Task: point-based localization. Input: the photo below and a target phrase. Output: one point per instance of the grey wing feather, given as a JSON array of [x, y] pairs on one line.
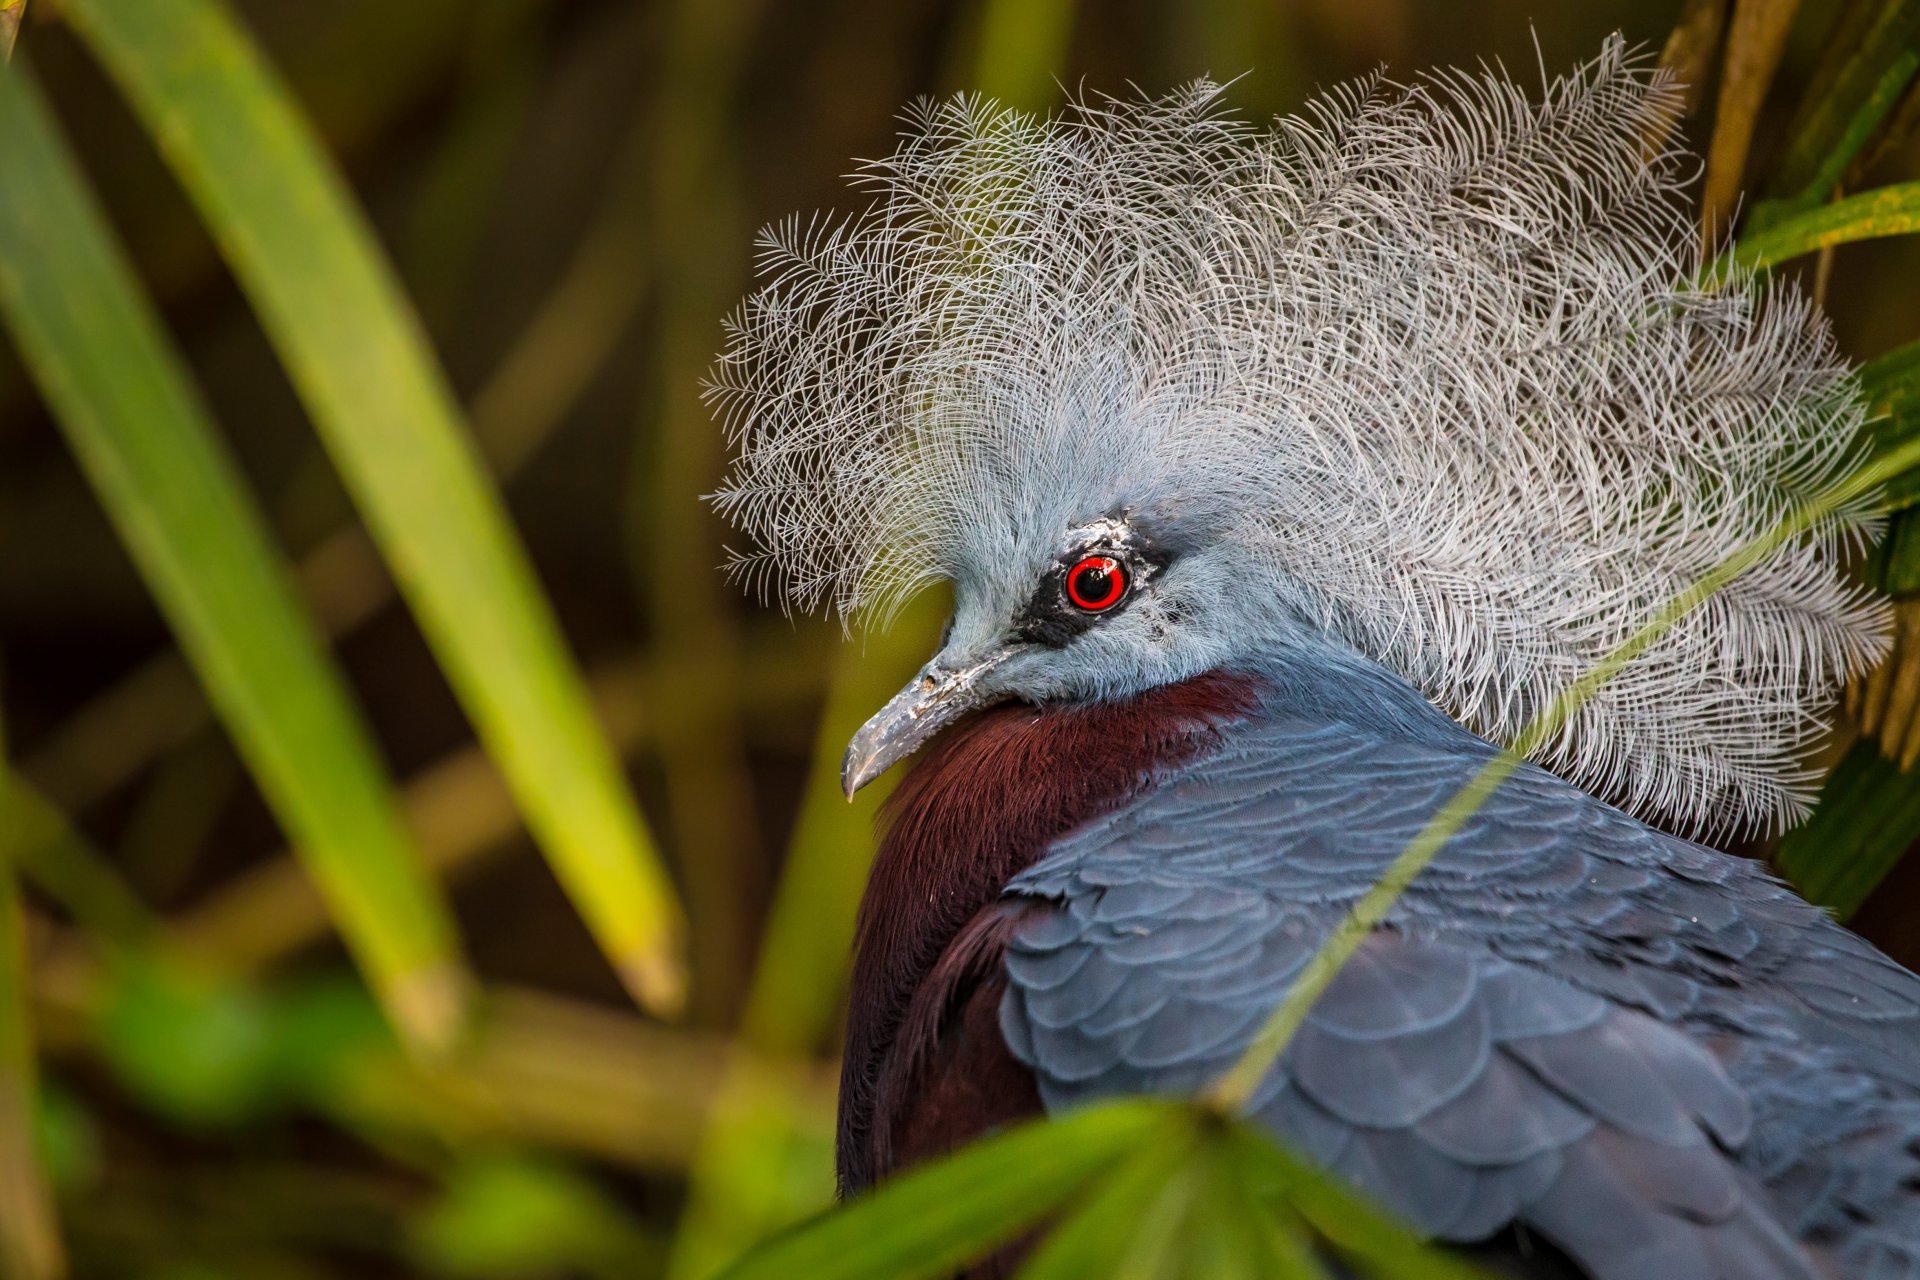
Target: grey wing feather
[[1643, 1050]]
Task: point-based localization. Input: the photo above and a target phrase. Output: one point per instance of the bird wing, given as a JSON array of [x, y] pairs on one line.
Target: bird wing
[[1550, 1030]]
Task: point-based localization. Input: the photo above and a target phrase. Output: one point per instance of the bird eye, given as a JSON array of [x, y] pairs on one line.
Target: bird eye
[[1096, 584]]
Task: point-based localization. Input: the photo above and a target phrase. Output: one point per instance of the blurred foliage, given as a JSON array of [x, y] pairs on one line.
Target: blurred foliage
[[407, 306]]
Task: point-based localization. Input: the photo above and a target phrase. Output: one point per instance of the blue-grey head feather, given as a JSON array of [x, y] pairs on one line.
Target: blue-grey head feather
[[1424, 376]]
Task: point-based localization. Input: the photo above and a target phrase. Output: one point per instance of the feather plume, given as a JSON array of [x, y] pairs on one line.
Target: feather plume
[[1432, 352]]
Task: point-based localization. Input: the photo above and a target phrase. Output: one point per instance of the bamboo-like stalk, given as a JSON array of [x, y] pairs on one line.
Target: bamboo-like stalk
[[1755, 39]]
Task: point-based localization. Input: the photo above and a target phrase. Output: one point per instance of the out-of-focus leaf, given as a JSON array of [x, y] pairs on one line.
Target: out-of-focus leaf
[[1275, 1240], [1893, 378], [1360, 1233], [210, 1052], [1871, 57], [1098, 1235], [197, 1049], [55, 859], [751, 1177], [511, 1217], [11, 11], [1891, 385], [303, 253], [164, 477], [67, 1136], [1023, 45], [1690, 48], [321, 1027], [808, 942], [1755, 39], [736, 1196], [1867, 817], [1885, 702], [1897, 559], [936, 1218], [1235, 1236], [1163, 1242], [29, 1237], [763, 1164], [1885, 211]]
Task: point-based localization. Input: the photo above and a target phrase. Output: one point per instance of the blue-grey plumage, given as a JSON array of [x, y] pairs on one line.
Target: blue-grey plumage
[[1651, 1053], [1277, 474]]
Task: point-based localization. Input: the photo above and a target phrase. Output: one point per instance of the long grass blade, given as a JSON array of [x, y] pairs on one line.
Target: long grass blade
[[697, 220], [1867, 817], [11, 11], [30, 1246], [328, 303], [807, 946], [1236, 1085], [1871, 58], [806, 953], [932, 1220], [539, 380], [145, 441], [1885, 211]]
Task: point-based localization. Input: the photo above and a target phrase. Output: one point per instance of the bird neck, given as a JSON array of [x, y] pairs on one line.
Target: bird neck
[[982, 804], [1319, 681]]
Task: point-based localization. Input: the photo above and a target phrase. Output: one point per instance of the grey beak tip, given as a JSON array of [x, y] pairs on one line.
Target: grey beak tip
[[935, 698], [850, 779]]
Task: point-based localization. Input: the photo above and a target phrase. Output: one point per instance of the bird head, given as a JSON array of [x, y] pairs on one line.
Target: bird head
[[1423, 380]]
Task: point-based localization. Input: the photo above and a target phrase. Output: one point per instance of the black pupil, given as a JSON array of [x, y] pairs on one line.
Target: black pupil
[[1092, 583]]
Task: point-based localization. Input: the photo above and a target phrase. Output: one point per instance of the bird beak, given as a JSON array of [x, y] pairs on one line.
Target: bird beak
[[932, 700]]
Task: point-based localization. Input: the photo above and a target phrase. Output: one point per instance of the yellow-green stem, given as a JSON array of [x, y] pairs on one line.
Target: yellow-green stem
[[1233, 1089]]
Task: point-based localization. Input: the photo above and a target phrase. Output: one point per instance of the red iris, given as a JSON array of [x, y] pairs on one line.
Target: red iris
[[1096, 583]]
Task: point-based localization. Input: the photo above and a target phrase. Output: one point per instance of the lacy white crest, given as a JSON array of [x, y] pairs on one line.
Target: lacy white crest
[[1430, 351]]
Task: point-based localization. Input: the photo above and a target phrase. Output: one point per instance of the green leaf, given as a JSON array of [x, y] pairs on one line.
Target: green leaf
[[11, 11], [327, 301], [936, 1218], [1893, 379], [195, 1048], [1237, 1235], [1023, 45], [168, 483], [1095, 1238], [1366, 1237], [1885, 211], [1871, 58], [1891, 386], [1184, 1208], [510, 1217], [55, 859], [1867, 817], [68, 1137], [744, 1183], [29, 1236]]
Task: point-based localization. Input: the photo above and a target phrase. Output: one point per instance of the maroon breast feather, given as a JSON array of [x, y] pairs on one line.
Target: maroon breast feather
[[925, 1067]]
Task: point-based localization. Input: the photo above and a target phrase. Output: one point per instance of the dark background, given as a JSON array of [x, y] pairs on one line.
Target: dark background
[[568, 189]]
